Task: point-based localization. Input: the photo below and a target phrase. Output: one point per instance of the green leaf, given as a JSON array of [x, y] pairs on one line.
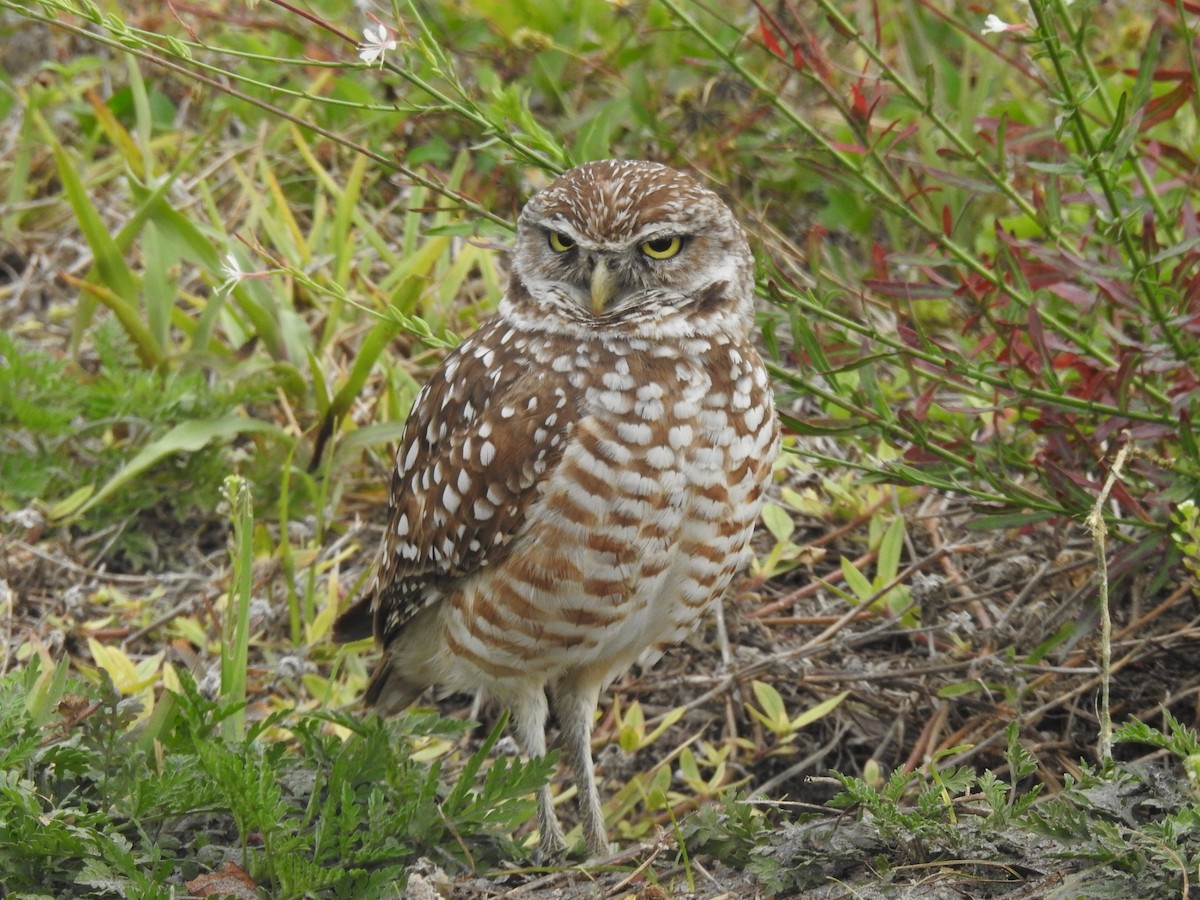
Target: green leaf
[[778, 522], [187, 437], [114, 279], [822, 709], [373, 347], [959, 689], [774, 713], [856, 580], [1008, 520], [890, 546], [72, 504]]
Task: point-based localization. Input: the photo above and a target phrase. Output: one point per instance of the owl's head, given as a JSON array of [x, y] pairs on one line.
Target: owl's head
[[634, 246]]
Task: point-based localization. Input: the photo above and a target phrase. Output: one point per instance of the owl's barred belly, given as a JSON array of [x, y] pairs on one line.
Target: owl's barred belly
[[642, 525]]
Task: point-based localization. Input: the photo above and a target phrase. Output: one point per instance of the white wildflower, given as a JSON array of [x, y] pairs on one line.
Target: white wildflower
[[376, 42], [993, 24], [233, 273]]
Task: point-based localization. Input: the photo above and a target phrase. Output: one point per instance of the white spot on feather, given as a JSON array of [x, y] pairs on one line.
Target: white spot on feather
[[660, 457], [634, 432], [680, 436]]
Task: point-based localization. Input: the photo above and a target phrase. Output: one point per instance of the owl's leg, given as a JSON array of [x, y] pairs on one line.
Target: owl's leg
[[529, 715], [575, 705]]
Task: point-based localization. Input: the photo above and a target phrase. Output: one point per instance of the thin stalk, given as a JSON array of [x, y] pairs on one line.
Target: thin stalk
[[409, 173], [1187, 43], [880, 192], [926, 106], [1095, 524], [1166, 221], [942, 362], [1083, 135]]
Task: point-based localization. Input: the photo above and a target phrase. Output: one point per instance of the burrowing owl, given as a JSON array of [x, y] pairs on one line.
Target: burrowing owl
[[579, 479]]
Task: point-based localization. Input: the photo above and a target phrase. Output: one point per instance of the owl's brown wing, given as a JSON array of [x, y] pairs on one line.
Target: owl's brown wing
[[482, 433]]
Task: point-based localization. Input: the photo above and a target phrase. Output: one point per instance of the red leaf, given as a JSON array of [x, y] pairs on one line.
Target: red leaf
[[924, 401], [769, 39], [879, 262], [858, 102], [1164, 107]]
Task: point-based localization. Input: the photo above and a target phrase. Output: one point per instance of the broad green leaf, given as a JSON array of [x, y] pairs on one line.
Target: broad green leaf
[[373, 346], [778, 522], [187, 437], [890, 547], [856, 580], [633, 727], [774, 712]]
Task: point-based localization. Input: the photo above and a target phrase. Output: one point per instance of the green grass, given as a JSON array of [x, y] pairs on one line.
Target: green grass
[[237, 251], [318, 803]]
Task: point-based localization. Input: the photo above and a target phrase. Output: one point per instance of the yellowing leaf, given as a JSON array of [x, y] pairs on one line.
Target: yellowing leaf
[[317, 630], [170, 679], [127, 677], [147, 670], [190, 630], [633, 728], [778, 522], [822, 709], [69, 505], [120, 668], [774, 713], [668, 720]]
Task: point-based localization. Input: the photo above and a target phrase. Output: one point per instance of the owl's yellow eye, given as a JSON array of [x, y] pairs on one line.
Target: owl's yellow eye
[[560, 243], [663, 247]]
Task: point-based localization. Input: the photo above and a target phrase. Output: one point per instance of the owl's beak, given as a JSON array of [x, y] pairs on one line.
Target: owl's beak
[[604, 284]]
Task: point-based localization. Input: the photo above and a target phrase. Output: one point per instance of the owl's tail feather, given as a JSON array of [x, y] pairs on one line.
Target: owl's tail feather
[[389, 691], [355, 623]]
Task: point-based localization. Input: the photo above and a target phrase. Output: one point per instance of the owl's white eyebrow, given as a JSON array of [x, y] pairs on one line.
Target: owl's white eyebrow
[[560, 225], [663, 230]]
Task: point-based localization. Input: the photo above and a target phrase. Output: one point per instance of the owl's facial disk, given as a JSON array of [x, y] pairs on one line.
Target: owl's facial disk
[[610, 275], [618, 242]]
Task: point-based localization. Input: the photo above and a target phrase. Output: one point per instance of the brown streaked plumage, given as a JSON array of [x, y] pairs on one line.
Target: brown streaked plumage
[[579, 479]]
